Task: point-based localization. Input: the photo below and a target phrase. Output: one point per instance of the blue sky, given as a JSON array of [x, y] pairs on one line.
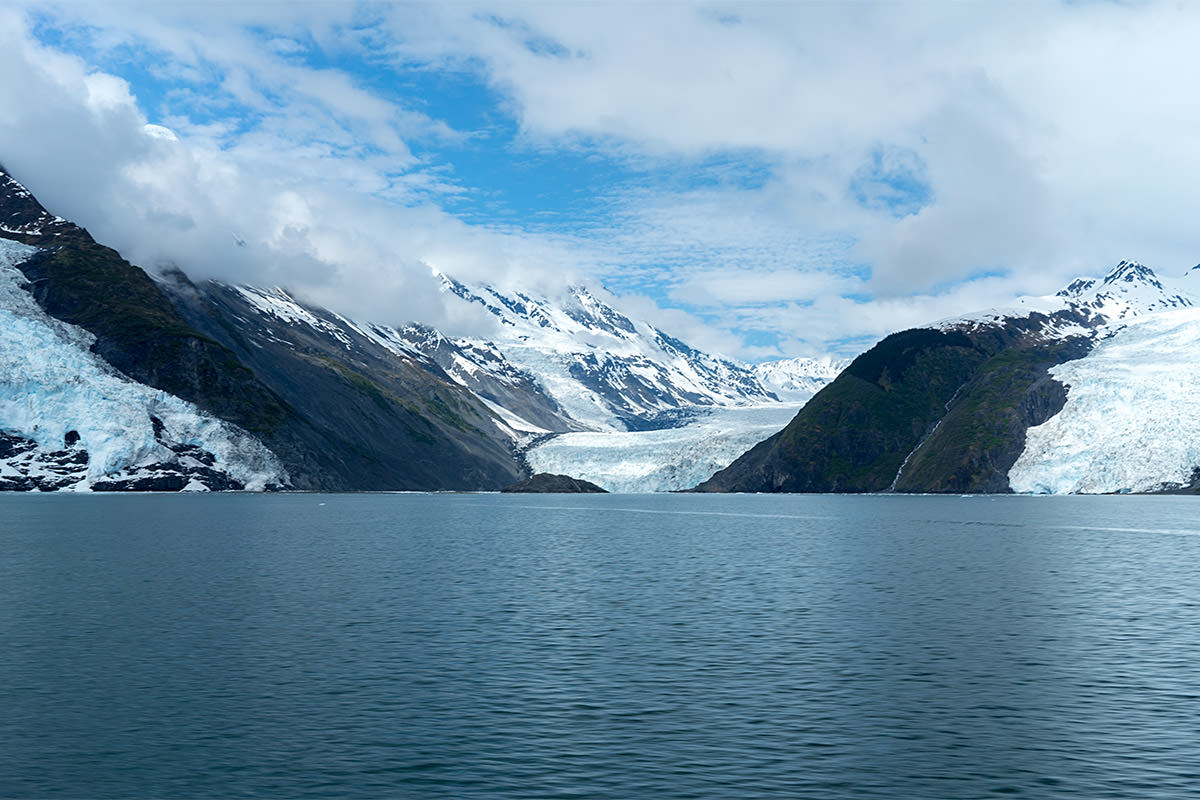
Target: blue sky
[[764, 180]]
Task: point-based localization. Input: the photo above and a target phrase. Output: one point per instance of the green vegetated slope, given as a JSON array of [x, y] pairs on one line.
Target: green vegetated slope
[[925, 410], [981, 436]]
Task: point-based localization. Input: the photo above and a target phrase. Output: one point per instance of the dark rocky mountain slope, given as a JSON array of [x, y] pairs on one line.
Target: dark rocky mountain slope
[[335, 420], [367, 417]]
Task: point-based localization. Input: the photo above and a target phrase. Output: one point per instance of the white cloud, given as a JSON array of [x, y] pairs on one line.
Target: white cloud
[[748, 287], [250, 212], [1054, 138], [915, 159]]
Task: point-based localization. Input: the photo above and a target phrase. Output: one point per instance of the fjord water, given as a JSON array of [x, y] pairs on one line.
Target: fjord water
[[499, 646]]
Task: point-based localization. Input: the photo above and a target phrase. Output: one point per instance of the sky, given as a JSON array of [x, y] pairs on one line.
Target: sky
[[763, 180]]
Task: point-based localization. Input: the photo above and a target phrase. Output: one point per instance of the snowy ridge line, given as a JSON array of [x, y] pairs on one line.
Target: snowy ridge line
[[1087, 305], [601, 367], [277, 303]]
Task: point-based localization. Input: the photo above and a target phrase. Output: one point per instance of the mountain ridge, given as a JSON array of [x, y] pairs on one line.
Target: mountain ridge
[[342, 404], [950, 408]]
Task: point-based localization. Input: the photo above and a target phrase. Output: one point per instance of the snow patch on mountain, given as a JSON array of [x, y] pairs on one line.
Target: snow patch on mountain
[[798, 378], [602, 368], [1087, 305], [1129, 289], [1024, 308], [277, 303], [71, 421], [664, 460], [30, 219], [1131, 422]]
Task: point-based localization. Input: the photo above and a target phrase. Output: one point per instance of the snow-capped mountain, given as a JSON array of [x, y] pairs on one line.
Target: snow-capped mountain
[[1091, 390], [1086, 305], [534, 379], [1131, 418], [602, 368], [1129, 290], [554, 367], [798, 377]]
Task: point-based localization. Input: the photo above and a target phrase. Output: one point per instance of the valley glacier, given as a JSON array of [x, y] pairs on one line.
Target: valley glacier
[[667, 460], [1131, 422], [71, 421]]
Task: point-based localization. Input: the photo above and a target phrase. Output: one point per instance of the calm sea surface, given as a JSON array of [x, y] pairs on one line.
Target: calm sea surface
[[631, 647]]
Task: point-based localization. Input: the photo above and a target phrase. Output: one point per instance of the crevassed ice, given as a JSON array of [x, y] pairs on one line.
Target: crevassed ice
[[50, 383], [1132, 416], [665, 460]]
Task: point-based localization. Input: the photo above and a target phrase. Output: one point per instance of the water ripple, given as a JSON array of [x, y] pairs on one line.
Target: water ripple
[[669, 647]]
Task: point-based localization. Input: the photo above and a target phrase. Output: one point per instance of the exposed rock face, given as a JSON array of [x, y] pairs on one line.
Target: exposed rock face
[[362, 415], [545, 483], [30, 468]]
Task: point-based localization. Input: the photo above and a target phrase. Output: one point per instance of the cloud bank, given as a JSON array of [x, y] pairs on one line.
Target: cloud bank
[[768, 179]]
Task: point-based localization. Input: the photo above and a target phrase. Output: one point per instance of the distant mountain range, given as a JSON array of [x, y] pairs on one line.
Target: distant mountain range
[[111, 379], [1092, 390]]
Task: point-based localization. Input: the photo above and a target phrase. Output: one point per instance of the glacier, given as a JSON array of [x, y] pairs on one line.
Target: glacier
[[1131, 422], [622, 404], [665, 460], [57, 397]]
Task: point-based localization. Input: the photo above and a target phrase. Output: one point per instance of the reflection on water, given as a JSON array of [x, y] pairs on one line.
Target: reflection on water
[[603, 647]]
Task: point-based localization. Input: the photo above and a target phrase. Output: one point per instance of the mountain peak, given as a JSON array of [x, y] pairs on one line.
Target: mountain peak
[[23, 218], [1132, 272], [1129, 289], [602, 368]]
